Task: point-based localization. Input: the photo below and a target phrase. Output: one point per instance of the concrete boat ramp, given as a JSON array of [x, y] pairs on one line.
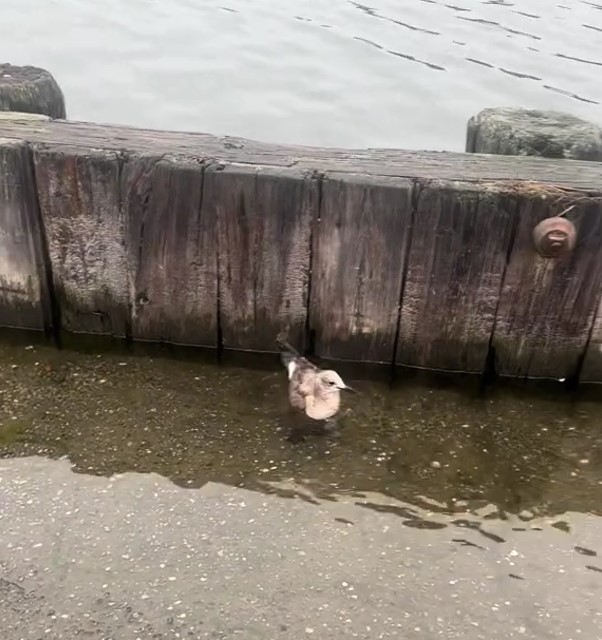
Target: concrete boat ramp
[[135, 557]]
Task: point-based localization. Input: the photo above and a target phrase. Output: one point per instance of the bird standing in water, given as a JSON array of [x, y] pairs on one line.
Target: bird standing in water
[[315, 392]]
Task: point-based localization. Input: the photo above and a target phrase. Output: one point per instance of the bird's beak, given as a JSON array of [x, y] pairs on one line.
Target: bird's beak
[[348, 388]]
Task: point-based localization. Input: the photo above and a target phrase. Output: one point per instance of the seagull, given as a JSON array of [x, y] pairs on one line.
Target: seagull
[[314, 391]]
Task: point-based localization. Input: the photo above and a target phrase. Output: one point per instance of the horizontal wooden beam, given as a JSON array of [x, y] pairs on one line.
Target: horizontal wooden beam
[[444, 165]]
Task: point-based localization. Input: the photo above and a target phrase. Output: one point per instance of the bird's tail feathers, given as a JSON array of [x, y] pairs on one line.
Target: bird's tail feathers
[[288, 354]]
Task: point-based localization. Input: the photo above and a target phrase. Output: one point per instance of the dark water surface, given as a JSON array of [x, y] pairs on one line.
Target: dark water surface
[[196, 422], [384, 73]]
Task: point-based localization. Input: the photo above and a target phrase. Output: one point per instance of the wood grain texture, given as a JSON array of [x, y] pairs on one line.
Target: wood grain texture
[[131, 256], [80, 204], [263, 221], [24, 295], [547, 306], [172, 252], [359, 253], [466, 167], [457, 258]]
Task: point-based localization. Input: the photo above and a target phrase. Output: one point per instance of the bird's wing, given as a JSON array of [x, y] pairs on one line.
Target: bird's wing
[[302, 383]]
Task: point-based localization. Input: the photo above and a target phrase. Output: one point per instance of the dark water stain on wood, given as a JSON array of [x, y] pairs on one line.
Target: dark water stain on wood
[[24, 293]]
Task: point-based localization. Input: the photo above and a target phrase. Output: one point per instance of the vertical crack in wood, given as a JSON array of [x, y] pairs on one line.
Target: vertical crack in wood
[[122, 159], [219, 332], [573, 380], [416, 188], [310, 333], [50, 303], [490, 375], [256, 232]]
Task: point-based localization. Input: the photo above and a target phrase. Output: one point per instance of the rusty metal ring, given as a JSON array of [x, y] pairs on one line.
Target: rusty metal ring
[[554, 237]]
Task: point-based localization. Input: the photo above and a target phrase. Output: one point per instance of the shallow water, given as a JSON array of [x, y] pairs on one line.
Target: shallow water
[[434, 512], [196, 422], [341, 73]]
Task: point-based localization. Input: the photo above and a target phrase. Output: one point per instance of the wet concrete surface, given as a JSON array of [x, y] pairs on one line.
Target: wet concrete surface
[[154, 498]]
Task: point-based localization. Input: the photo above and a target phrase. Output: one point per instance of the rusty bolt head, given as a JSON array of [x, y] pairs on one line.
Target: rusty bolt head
[[554, 237]]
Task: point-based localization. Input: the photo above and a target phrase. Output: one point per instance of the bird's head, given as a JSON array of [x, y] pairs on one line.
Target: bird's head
[[331, 382]]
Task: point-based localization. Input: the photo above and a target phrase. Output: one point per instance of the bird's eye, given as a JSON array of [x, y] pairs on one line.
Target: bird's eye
[[331, 383]]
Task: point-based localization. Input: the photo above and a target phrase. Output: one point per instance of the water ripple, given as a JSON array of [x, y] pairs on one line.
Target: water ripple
[[493, 23], [516, 74], [566, 57], [291, 72], [370, 11], [461, 9], [407, 56], [484, 64], [569, 94], [526, 15]]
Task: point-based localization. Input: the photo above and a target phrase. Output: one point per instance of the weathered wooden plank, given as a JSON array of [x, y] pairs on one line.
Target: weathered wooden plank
[[359, 253], [263, 220], [80, 205], [392, 162], [24, 295], [592, 363], [547, 305], [461, 237], [172, 252]]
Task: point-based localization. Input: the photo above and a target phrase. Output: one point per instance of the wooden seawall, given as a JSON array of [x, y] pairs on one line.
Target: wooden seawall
[[423, 259]]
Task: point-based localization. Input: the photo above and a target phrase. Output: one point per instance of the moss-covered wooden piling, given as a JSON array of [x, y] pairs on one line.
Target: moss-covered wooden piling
[[423, 259], [30, 90]]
